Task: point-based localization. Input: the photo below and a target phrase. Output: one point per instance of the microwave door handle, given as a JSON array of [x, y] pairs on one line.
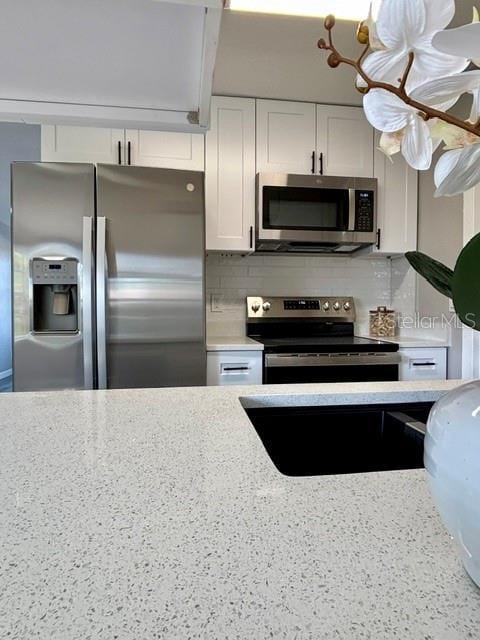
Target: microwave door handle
[[351, 210]]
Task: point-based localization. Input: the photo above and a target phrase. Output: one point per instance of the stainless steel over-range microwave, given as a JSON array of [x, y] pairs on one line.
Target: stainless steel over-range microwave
[[315, 214]]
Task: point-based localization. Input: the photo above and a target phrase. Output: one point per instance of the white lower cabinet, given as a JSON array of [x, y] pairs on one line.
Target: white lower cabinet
[[234, 367], [423, 363]]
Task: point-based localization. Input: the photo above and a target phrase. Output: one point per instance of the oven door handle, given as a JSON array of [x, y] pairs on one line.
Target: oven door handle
[[408, 421], [330, 359]]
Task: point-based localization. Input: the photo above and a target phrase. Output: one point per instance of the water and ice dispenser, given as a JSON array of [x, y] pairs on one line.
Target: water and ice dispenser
[[55, 295]]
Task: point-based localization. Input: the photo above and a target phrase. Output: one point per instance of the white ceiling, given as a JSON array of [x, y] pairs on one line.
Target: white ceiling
[[135, 53]]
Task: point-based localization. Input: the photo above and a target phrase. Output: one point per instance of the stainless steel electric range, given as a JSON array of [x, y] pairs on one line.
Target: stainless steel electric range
[[312, 340]]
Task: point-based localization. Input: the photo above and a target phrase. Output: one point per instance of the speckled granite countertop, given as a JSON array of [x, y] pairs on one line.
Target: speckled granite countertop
[[233, 343], [413, 342], [150, 514]]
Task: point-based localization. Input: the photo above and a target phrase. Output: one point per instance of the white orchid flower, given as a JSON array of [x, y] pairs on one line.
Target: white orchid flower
[[476, 19], [465, 40], [457, 171], [462, 41], [391, 142], [452, 136], [374, 41], [405, 26], [475, 110], [388, 113]]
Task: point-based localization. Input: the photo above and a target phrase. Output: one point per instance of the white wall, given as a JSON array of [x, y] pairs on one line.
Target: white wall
[[236, 277], [277, 57]]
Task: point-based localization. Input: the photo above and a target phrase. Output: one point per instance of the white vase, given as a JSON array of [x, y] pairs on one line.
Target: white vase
[[452, 460]]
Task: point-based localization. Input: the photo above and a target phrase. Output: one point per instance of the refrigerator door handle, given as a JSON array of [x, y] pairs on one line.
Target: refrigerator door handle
[[87, 316], [101, 283]]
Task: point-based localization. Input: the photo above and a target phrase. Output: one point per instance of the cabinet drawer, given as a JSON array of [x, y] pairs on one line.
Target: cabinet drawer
[[234, 367], [423, 364]]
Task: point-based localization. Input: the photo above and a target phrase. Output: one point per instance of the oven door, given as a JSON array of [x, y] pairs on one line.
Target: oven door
[[292, 368]]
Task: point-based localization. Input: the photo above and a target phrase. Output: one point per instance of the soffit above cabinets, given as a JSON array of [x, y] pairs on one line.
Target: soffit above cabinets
[[120, 63]]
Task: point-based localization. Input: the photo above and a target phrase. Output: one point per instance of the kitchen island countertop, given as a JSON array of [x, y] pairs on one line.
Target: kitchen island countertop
[[136, 514]]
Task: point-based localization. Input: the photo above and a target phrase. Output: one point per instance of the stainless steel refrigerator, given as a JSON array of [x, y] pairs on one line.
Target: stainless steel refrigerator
[[108, 277]]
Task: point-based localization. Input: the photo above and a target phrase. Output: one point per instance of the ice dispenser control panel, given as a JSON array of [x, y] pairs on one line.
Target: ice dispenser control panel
[[55, 296], [54, 271]]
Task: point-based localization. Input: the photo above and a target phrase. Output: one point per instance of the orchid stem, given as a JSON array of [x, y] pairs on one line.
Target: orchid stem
[[403, 81], [425, 111], [363, 54]]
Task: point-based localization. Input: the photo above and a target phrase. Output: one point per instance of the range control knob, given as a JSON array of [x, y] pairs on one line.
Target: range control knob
[[326, 306], [255, 307], [347, 306], [266, 306], [336, 306]]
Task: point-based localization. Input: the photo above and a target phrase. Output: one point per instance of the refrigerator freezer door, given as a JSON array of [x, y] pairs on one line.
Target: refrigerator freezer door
[[155, 311], [50, 202]]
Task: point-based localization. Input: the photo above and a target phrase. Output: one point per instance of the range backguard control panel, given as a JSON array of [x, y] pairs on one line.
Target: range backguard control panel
[[294, 305]]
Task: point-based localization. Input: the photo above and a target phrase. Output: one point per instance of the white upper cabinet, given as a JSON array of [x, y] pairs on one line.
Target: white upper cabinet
[[397, 203], [230, 175], [166, 149], [344, 142], [286, 134], [298, 137], [82, 144], [117, 146]]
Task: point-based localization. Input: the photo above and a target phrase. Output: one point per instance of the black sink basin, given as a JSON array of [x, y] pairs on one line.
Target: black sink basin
[[312, 441]]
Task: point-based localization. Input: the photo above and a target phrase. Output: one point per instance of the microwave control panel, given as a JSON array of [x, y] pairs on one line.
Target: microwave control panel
[[364, 210]]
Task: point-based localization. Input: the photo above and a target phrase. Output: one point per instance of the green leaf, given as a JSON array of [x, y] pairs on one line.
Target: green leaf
[[436, 273], [466, 284]]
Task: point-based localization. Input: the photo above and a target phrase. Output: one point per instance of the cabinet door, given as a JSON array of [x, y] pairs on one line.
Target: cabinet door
[[234, 367], [397, 205], [423, 364], [167, 149], [285, 136], [230, 175], [82, 144], [345, 142]]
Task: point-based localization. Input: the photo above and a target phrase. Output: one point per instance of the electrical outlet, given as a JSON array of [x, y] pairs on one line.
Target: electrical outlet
[[216, 300]]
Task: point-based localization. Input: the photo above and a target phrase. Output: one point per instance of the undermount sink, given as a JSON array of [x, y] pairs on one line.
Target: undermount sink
[[311, 441]]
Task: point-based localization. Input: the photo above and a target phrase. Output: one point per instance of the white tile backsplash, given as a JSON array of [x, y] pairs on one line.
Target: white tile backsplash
[[371, 282], [404, 287]]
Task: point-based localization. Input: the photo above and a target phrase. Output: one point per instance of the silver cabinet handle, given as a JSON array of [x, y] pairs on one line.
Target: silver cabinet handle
[[101, 284], [86, 298]]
